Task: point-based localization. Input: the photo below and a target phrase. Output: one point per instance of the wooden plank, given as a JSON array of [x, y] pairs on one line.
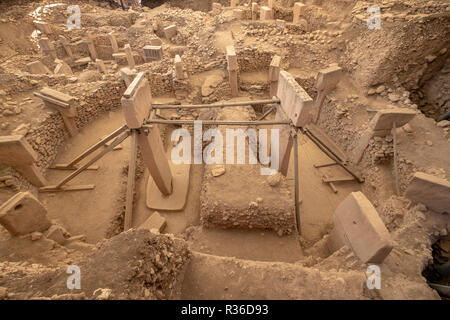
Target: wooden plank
[[63, 166], [131, 182], [116, 142], [337, 179], [317, 166], [96, 146], [67, 188]]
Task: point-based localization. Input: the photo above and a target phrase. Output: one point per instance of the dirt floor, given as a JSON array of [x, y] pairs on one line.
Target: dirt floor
[[238, 234]]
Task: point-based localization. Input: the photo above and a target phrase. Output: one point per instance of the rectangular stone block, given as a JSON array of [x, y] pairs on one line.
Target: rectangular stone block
[[15, 150], [358, 225], [47, 47], [137, 101], [265, 14], [120, 58], [90, 41], [328, 78], [232, 58], [295, 101], [432, 191], [299, 9], [127, 75], [178, 66], [233, 80], [130, 58], [239, 14], [82, 61], [384, 119], [23, 214], [43, 27], [153, 53], [62, 68], [113, 41], [280, 23], [66, 45], [255, 10], [274, 68], [37, 67], [154, 222], [216, 8], [156, 42], [270, 3], [101, 65], [170, 31]]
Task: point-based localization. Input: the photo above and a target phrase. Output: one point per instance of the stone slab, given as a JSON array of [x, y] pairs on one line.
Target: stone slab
[[432, 191], [295, 101], [384, 119], [328, 78], [274, 68], [37, 67], [358, 225], [137, 101], [170, 31]]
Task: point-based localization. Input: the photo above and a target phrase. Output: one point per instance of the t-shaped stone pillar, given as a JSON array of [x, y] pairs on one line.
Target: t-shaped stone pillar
[[47, 47], [255, 10], [233, 69], [113, 41], [91, 46], [63, 103], [130, 58], [66, 46], [299, 11], [17, 153], [274, 74], [136, 103]]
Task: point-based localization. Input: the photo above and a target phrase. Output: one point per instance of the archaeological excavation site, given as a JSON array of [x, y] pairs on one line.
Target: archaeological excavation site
[[225, 150]]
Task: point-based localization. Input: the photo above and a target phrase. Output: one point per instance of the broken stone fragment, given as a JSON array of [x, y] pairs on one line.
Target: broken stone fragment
[[217, 171], [103, 294], [274, 179], [431, 191], [155, 222], [3, 293], [36, 236], [23, 214], [57, 234]]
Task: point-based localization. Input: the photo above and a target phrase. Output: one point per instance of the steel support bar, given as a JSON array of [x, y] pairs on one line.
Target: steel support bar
[[220, 105], [215, 122], [332, 156], [297, 182], [131, 182]]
